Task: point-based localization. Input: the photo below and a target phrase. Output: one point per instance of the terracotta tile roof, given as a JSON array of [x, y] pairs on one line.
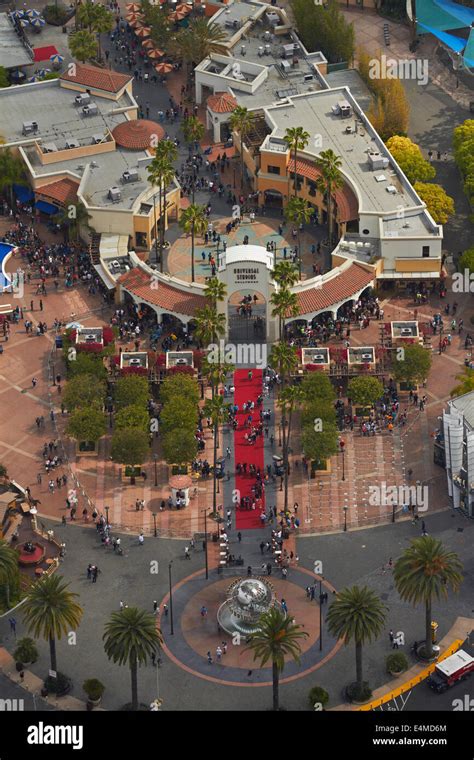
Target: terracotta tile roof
[[347, 206], [222, 102], [137, 134], [139, 284], [97, 78], [339, 288], [62, 191]]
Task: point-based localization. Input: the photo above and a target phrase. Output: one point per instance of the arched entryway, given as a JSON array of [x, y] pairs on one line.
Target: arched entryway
[[246, 312], [273, 199]]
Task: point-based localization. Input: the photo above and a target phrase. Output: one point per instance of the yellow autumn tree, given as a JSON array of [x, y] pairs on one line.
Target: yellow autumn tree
[[438, 202]]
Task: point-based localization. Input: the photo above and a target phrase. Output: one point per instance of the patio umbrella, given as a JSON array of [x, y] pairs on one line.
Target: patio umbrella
[[56, 58], [133, 7], [37, 23], [24, 22], [32, 13], [153, 54], [163, 68], [17, 75], [34, 79], [43, 72], [177, 16], [148, 44], [143, 31], [18, 14], [183, 8], [132, 17]]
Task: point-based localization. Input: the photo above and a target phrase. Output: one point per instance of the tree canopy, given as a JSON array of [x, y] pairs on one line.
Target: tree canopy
[[324, 28], [414, 366], [365, 390], [130, 446], [408, 156], [131, 389], [87, 424], [438, 202]]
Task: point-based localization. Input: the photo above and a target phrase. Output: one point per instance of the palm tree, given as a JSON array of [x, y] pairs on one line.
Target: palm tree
[[466, 384], [194, 220], [209, 325], [298, 211], [331, 179], [241, 121], [50, 611], [9, 572], [215, 291], [198, 41], [357, 614], [423, 573], [285, 274], [216, 373], [193, 130], [285, 304], [130, 638], [11, 172], [83, 45], [278, 636], [160, 174], [296, 139], [217, 410], [283, 359], [96, 18], [290, 399], [73, 217]]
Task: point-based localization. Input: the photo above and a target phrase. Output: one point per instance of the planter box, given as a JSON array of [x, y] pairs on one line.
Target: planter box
[[322, 468], [126, 473], [87, 449]]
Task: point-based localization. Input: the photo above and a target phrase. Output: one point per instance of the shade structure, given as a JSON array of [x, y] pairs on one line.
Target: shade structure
[[177, 16], [17, 75], [37, 22], [24, 22], [43, 72], [183, 8], [154, 54], [56, 58], [132, 17], [137, 23], [163, 68], [148, 44], [133, 7], [32, 13], [19, 14], [143, 31]]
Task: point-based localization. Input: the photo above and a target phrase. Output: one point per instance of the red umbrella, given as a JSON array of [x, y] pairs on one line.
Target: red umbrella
[[133, 7], [143, 31], [137, 23], [177, 16], [148, 44], [132, 17], [183, 8], [163, 68], [155, 53]]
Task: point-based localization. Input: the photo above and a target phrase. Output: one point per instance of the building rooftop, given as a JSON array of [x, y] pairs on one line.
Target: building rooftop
[[138, 134], [13, 52], [352, 79], [58, 116], [97, 78], [314, 112], [465, 406], [338, 287]]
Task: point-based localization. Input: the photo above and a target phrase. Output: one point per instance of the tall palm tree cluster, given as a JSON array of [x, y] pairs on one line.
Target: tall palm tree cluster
[[423, 573], [160, 174], [283, 358], [210, 328], [52, 611], [93, 19]]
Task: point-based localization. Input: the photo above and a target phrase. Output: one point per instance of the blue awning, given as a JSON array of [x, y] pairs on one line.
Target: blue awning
[[46, 208], [455, 43], [23, 193]]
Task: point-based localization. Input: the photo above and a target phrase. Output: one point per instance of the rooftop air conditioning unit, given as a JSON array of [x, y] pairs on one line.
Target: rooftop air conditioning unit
[[90, 110], [71, 144], [405, 331], [285, 65], [90, 337], [391, 189], [115, 264], [30, 127], [115, 194], [83, 99], [319, 357], [181, 361], [367, 356], [134, 362], [130, 175], [97, 139], [50, 148]]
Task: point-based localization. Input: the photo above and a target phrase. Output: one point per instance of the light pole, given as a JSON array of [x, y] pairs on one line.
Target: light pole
[[320, 613], [342, 444], [171, 599], [54, 373], [155, 460], [393, 512], [345, 518], [205, 543], [107, 515], [154, 524]]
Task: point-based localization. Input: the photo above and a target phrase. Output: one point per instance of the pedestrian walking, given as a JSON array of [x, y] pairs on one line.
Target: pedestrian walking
[[239, 536], [209, 658], [155, 606], [12, 622], [121, 605], [165, 610], [203, 611], [186, 552], [391, 636], [218, 653], [141, 539], [34, 382], [95, 573]]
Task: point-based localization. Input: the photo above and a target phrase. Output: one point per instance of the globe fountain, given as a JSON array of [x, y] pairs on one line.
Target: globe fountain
[[247, 599]]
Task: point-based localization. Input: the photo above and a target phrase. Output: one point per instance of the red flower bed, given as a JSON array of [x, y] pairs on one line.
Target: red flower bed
[[184, 370], [134, 371]]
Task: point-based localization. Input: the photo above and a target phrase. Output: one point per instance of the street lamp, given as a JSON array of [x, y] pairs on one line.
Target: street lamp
[[171, 599], [205, 543], [155, 460], [279, 433], [320, 613], [154, 524], [107, 515], [345, 518], [393, 512], [342, 444], [54, 373]]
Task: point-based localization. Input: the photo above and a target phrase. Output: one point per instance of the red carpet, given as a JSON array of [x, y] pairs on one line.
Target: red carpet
[[44, 53], [247, 390]]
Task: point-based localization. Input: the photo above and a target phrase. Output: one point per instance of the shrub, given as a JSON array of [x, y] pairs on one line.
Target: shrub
[[93, 688], [57, 15], [396, 662], [59, 685], [26, 650], [318, 695], [356, 694]]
